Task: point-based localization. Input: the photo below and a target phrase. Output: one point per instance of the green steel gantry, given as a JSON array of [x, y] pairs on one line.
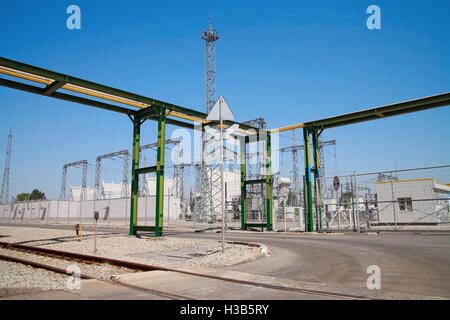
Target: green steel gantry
[[268, 181], [164, 113], [315, 128]]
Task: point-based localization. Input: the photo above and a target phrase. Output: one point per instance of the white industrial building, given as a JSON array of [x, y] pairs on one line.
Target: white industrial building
[[418, 201]]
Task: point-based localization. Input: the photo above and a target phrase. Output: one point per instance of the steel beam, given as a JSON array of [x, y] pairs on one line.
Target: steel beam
[[51, 88], [243, 179], [64, 96], [160, 174], [146, 170], [268, 183], [135, 175], [318, 195], [439, 100], [40, 75], [308, 186]]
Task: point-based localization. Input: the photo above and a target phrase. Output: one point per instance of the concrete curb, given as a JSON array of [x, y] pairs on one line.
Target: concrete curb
[[263, 251]]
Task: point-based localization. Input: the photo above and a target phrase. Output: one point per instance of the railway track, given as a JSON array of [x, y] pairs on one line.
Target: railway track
[[137, 267]]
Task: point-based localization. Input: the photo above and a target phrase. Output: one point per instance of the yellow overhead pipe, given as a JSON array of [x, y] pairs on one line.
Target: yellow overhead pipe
[[25, 76], [71, 87], [105, 96], [94, 93], [287, 128]]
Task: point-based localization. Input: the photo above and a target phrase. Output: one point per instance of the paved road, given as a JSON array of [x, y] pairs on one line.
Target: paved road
[[415, 263]]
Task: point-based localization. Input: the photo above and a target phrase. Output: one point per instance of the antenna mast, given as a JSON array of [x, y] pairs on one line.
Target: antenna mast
[[210, 36]]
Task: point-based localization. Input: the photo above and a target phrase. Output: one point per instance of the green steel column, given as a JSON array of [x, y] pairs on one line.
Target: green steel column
[[160, 173], [317, 177], [134, 176], [268, 183], [243, 178], [308, 185]]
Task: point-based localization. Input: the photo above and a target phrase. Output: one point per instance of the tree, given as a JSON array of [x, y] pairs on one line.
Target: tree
[[37, 195], [34, 195], [22, 196]]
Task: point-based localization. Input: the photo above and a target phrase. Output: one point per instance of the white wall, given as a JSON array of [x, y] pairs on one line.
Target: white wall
[[69, 211]]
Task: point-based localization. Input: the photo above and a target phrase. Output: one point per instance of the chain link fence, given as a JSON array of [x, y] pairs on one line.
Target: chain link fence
[[385, 200], [400, 199]]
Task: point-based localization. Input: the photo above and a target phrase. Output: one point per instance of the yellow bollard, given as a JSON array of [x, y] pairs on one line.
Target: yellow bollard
[[79, 232]]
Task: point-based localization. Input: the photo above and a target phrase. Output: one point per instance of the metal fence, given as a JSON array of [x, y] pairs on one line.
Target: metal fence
[[393, 199]]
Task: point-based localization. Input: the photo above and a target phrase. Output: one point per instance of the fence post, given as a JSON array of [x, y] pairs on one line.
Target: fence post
[[145, 213], [357, 204], [367, 213], [393, 201], [353, 204], [81, 207], [49, 203], [57, 212], [68, 213], [168, 209]]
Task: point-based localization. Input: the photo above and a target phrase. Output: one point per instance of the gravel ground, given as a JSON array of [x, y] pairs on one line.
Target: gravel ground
[[19, 276], [166, 252]]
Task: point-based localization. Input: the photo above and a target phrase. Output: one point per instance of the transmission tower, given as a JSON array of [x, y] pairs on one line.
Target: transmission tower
[[143, 187], [124, 154], [294, 149], [77, 164], [4, 197]]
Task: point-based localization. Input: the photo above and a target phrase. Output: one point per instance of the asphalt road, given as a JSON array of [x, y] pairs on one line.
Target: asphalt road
[[411, 263]]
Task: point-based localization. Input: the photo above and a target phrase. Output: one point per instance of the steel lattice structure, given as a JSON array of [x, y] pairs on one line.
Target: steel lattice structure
[[295, 181], [210, 36], [142, 184], [125, 155], [256, 191], [4, 196], [208, 176], [76, 164]]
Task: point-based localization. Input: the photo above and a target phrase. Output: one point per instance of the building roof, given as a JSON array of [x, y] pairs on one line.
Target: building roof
[[437, 185]]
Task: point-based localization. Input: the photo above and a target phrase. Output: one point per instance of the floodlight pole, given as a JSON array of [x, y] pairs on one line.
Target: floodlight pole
[[221, 177]]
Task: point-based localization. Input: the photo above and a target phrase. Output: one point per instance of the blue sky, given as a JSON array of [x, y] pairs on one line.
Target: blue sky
[[286, 61]]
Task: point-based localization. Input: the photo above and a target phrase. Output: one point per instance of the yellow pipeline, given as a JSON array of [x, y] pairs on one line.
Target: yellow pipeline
[[291, 127], [71, 87], [94, 93]]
